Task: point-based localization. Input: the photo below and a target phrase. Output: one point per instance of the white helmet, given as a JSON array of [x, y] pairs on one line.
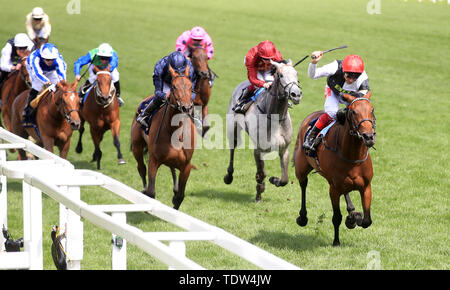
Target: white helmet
[[49, 51], [37, 13], [21, 40], [105, 49]]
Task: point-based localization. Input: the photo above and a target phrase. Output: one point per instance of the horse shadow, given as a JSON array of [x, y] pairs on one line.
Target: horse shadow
[[281, 240], [225, 195]]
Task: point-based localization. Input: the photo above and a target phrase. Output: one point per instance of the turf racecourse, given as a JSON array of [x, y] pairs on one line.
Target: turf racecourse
[[405, 49]]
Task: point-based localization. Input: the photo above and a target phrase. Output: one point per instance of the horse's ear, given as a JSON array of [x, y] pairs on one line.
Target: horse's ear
[[96, 69], [275, 64], [172, 72], [289, 62], [76, 83], [61, 83], [368, 95], [348, 98], [187, 71]]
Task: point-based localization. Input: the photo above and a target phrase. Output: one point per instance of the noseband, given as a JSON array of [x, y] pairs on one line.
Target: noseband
[[354, 128]]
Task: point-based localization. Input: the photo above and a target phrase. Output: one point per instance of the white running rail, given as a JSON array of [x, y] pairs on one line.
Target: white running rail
[[58, 179]]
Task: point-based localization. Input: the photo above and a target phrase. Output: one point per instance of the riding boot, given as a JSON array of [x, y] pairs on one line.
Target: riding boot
[[243, 103], [144, 115], [84, 88], [28, 111], [119, 99], [309, 143]]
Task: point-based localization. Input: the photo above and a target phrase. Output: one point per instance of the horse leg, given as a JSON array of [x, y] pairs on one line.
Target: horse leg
[[79, 147], [350, 221], [178, 198], [138, 152], [64, 149], [284, 162], [260, 175], [337, 216], [302, 220], [175, 182], [96, 138], [205, 121], [115, 128], [228, 179], [152, 170], [366, 199]]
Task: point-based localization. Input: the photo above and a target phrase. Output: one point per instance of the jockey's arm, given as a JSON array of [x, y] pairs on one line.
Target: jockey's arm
[[114, 61], [5, 61], [329, 69], [29, 27], [61, 68], [80, 62], [47, 26]]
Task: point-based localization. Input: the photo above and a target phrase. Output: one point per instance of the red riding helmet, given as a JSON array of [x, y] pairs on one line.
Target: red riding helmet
[[353, 63], [266, 49]]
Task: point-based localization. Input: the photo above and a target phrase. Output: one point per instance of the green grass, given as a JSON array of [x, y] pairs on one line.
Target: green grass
[[405, 49]]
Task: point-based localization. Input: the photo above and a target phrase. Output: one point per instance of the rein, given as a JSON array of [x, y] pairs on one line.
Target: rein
[[99, 96]]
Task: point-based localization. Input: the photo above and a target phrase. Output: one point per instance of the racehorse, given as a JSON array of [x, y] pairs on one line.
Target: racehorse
[[199, 60], [17, 82], [57, 114], [267, 122], [171, 138], [101, 111], [343, 159]]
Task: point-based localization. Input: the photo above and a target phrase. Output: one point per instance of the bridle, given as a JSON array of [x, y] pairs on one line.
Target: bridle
[[178, 106], [354, 128], [99, 99], [60, 105], [287, 88]]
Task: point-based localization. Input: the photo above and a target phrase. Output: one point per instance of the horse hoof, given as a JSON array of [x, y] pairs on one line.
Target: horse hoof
[[358, 217], [336, 243], [350, 222], [228, 179], [302, 221], [276, 181], [121, 161], [258, 198]]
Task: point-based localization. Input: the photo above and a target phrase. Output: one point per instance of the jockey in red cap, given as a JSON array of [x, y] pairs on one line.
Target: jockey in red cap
[[259, 71], [343, 76]]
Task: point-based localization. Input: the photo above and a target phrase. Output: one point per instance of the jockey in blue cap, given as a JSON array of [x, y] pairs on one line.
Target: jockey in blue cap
[[162, 81], [46, 66]]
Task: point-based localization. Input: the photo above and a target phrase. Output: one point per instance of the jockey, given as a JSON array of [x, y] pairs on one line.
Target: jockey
[[46, 66], [38, 24], [259, 71], [196, 37], [103, 56], [162, 81], [12, 52], [343, 76]]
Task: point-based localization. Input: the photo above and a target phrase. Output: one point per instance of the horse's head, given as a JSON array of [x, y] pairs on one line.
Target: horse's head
[[68, 103], [361, 118], [24, 74], [288, 80], [199, 60], [104, 89], [181, 91]]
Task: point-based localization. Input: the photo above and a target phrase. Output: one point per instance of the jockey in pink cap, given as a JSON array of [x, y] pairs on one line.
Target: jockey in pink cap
[[197, 36]]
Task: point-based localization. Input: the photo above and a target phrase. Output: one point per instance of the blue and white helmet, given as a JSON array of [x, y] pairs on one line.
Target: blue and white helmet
[[178, 61], [49, 51]]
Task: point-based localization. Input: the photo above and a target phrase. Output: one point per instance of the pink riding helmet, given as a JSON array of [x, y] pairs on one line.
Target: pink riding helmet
[[198, 33]]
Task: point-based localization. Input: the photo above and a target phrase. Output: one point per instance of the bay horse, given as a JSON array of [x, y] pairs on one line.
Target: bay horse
[[101, 111], [343, 159], [171, 138], [267, 122], [199, 60], [17, 82], [57, 115]]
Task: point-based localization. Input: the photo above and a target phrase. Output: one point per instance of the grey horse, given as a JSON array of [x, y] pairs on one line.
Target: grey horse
[[267, 122]]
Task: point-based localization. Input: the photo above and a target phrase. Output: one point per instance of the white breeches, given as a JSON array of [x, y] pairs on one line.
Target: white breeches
[[93, 76]]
